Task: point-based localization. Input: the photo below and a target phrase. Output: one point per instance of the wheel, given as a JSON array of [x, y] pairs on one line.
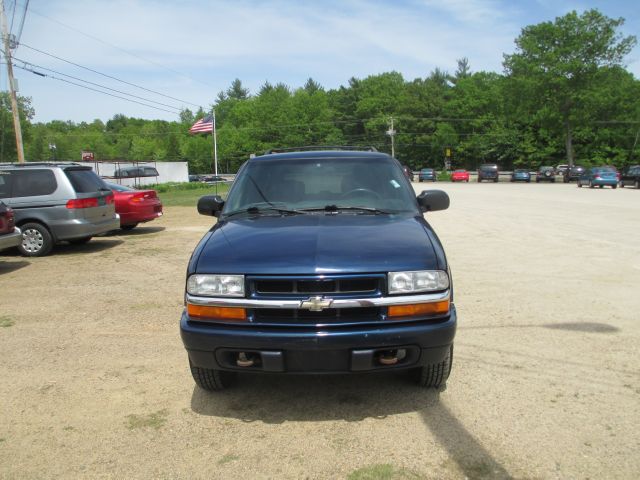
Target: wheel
[[79, 241], [529, 181], [128, 228], [360, 192], [601, 186], [435, 374], [614, 186], [553, 180], [495, 181], [36, 240], [211, 380]]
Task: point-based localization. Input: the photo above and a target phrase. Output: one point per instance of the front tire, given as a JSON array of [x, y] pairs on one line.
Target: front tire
[[436, 374], [37, 241], [211, 380], [128, 228]]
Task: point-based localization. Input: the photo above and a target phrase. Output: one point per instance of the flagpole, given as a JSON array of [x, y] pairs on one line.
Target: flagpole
[[215, 145]]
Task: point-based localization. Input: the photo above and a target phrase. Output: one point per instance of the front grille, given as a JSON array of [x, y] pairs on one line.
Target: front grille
[[301, 286], [307, 317]]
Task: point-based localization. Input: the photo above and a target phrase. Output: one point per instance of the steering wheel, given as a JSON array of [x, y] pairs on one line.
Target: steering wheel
[[361, 191]]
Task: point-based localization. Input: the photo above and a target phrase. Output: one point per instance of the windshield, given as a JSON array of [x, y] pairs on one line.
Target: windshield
[[488, 168], [84, 180], [318, 183]]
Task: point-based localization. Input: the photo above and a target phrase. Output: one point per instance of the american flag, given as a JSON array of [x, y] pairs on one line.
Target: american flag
[[204, 125]]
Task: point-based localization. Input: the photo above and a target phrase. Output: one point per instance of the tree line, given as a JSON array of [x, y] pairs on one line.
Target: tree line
[[564, 96]]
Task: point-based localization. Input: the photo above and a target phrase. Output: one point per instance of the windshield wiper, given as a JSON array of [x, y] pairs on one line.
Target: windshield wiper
[[262, 210], [337, 208]]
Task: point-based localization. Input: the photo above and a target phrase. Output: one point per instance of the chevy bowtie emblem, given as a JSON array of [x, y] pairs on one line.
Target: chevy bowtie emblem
[[316, 304]]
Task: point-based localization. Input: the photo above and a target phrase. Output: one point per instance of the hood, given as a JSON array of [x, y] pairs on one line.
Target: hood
[[314, 244]]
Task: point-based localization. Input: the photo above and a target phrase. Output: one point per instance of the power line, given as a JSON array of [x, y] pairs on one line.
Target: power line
[[93, 89], [33, 65], [24, 16], [107, 75], [122, 50]]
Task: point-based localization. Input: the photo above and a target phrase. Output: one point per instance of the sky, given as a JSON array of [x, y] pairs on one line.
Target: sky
[[184, 52]]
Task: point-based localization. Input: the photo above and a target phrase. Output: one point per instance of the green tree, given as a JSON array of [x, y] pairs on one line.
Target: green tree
[[556, 62]]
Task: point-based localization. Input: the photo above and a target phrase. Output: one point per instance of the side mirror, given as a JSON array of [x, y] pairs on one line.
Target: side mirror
[[432, 200], [210, 205]]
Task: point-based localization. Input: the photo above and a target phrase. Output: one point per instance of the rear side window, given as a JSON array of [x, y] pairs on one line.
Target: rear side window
[[31, 182], [5, 185], [85, 180]]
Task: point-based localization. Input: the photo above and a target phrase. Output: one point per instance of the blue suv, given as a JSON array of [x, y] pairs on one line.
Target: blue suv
[[320, 262]]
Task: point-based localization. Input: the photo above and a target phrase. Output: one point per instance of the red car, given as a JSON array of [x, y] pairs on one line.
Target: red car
[[460, 176], [10, 235], [135, 206]]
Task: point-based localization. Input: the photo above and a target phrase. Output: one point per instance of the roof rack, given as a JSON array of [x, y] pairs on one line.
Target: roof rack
[[40, 164], [311, 148]]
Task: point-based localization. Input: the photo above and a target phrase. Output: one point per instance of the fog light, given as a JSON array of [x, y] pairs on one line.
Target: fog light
[[433, 308], [206, 312]]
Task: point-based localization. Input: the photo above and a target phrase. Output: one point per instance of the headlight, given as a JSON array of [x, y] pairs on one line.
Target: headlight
[[216, 285], [413, 282]]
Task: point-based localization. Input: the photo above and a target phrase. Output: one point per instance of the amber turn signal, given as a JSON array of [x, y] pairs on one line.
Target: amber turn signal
[[434, 308], [216, 313]]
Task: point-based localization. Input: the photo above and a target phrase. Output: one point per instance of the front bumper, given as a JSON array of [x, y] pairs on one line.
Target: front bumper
[[318, 350], [11, 239]]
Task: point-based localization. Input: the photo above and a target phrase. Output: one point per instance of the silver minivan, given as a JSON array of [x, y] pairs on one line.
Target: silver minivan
[[56, 202]]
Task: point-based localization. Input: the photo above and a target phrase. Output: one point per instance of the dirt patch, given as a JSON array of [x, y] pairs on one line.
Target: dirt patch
[[545, 382]]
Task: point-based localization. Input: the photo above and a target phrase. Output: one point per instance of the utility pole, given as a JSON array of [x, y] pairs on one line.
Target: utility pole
[[12, 92], [391, 132]]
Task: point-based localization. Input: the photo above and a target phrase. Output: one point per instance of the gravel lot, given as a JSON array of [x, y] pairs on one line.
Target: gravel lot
[[545, 383]]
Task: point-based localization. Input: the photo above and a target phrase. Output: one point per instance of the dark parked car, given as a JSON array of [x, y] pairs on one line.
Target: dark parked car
[[135, 206], [631, 177], [55, 202], [213, 178], [408, 172], [320, 262], [427, 174], [572, 174], [488, 171], [521, 175], [546, 174], [135, 172], [10, 235], [599, 177]]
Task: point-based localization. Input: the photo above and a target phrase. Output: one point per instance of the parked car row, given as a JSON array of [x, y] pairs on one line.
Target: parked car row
[[595, 176], [55, 202], [207, 178]]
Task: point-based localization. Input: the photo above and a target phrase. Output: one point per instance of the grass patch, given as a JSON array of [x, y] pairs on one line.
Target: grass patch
[[382, 472], [154, 420], [187, 194], [228, 458], [6, 321]]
